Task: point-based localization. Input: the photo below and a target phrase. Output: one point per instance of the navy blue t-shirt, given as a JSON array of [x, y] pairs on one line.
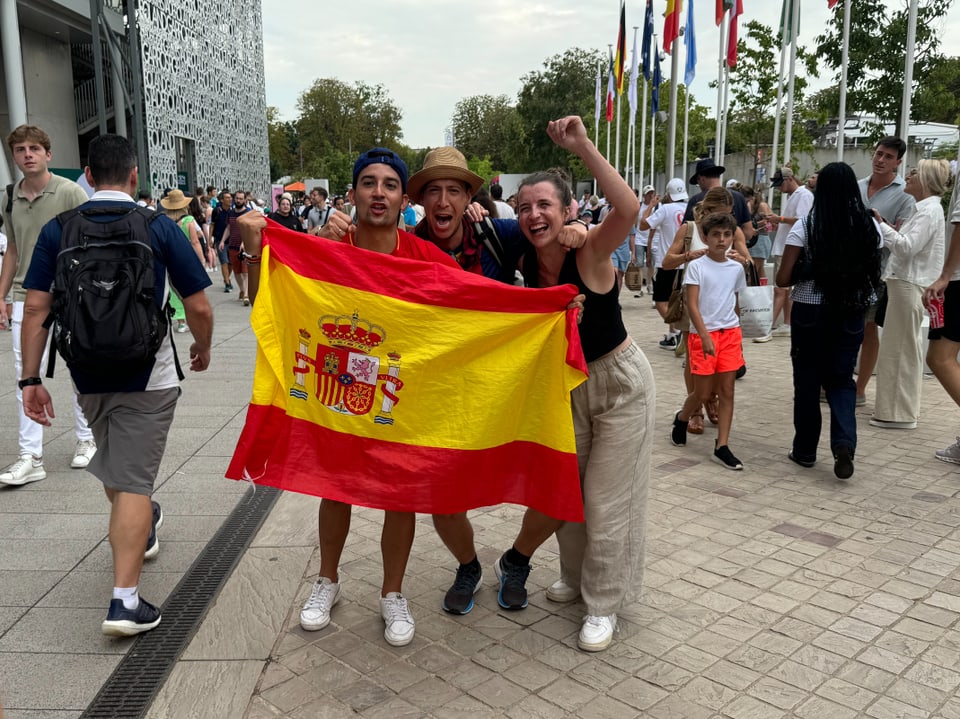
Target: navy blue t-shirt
[[173, 256]]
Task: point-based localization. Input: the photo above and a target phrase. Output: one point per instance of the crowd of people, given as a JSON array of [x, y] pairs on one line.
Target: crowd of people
[[844, 254]]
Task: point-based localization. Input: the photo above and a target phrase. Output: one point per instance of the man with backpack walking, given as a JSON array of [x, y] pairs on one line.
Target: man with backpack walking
[[27, 206], [111, 266]]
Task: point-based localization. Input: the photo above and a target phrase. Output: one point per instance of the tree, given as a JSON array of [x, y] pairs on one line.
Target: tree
[[282, 142], [937, 97], [485, 126], [564, 87], [337, 121], [877, 50]]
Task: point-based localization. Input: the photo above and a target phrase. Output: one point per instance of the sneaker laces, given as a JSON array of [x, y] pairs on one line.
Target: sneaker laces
[[19, 464], [466, 580], [397, 610], [320, 597], [84, 445], [514, 577]]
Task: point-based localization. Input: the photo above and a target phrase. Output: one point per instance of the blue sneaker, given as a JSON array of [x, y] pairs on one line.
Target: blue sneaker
[[123, 622], [459, 598], [513, 580], [153, 544]]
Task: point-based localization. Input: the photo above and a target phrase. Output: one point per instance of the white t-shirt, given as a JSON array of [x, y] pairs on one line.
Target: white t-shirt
[[719, 283], [666, 220], [641, 236], [797, 205], [504, 211]]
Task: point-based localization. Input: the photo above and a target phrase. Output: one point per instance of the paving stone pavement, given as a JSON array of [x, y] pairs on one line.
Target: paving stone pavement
[[773, 592]]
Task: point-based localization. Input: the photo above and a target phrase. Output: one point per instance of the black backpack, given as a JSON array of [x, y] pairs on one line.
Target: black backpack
[[105, 316]]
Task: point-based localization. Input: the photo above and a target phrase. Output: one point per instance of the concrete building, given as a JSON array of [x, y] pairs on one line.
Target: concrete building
[[185, 82]]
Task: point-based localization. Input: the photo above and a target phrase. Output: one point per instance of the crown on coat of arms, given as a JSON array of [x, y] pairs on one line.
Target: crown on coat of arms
[[304, 334], [352, 332]]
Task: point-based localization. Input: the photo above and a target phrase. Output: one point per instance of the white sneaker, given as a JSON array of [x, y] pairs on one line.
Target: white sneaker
[[315, 614], [400, 625], [596, 633], [765, 338], [560, 591], [26, 469], [84, 452], [782, 331]]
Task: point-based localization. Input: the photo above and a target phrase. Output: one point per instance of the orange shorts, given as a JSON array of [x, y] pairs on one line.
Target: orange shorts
[[728, 352]]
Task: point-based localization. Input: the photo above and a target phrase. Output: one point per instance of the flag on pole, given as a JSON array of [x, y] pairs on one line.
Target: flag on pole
[[657, 80], [596, 109], [831, 3], [786, 21], [735, 12], [621, 58], [722, 7], [671, 24], [634, 71], [690, 40], [610, 90], [368, 365], [647, 40]]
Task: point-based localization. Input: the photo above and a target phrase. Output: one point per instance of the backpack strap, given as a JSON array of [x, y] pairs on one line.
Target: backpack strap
[[486, 232], [688, 238], [10, 198]]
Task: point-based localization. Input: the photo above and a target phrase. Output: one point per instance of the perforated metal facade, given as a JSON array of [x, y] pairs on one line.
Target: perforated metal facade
[[204, 95]]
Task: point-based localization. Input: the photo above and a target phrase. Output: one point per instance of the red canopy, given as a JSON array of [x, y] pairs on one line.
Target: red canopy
[[295, 187]]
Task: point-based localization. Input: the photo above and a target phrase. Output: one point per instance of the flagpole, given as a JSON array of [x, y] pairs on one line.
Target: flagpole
[[632, 124], [776, 120], [617, 163], [722, 62], [671, 162], [792, 70], [643, 129], [596, 122], [610, 69], [908, 81], [686, 130], [653, 149], [726, 109], [842, 120]]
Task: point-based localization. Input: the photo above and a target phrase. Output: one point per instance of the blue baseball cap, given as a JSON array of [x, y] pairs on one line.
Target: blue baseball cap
[[383, 156]]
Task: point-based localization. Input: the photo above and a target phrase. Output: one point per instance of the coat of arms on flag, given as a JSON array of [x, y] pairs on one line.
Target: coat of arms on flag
[[347, 376]]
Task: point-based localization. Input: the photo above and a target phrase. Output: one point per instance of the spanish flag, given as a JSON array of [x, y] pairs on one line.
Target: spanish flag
[[409, 386]]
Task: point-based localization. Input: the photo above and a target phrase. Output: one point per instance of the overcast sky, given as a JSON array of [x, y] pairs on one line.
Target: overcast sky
[[429, 54]]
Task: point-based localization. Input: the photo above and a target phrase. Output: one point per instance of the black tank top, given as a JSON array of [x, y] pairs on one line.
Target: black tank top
[[602, 328]]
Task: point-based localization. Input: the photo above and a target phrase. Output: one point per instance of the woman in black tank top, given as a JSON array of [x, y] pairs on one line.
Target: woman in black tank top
[[613, 411]]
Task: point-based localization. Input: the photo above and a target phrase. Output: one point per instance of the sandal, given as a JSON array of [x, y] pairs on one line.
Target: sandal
[[696, 423], [713, 409]]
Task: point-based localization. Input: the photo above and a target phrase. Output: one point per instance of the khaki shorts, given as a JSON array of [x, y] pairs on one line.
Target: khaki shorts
[[130, 429]]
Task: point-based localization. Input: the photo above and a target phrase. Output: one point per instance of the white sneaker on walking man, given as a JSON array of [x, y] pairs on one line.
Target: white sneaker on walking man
[[37, 198]]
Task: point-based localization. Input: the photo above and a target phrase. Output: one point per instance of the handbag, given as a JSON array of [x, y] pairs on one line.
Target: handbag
[[632, 277], [756, 307], [677, 304]]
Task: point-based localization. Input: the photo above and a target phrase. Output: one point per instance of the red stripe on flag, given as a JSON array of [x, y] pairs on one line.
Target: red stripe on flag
[[831, 3], [426, 283], [296, 455]]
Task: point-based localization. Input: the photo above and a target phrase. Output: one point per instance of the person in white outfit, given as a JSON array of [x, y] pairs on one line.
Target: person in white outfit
[[35, 200], [916, 255]]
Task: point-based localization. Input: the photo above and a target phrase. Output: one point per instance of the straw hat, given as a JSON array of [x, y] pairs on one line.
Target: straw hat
[[443, 163], [175, 200]]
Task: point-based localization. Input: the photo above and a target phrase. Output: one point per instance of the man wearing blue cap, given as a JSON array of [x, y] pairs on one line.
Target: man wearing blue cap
[[379, 186]]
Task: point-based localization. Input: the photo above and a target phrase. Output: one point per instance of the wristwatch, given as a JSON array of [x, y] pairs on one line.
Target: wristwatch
[[29, 381]]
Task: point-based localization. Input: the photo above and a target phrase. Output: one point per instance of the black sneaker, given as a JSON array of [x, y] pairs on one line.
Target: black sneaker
[[843, 462], [123, 622], [724, 456], [153, 544], [808, 463], [679, 434], [742, 371], [669, 342], [513, 580], [459, 598]]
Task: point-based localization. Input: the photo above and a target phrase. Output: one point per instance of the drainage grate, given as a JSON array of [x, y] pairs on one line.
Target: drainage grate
[[136, 680]]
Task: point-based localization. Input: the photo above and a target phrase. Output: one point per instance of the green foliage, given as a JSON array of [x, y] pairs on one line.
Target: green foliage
[[937, 96], [876, 55], [565, 86], [486, 126]]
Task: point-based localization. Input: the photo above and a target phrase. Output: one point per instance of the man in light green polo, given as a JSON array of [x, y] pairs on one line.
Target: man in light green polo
[[27, 206]]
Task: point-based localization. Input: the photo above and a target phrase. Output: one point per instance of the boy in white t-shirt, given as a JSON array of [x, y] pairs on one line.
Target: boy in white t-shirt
[[713, 348]]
